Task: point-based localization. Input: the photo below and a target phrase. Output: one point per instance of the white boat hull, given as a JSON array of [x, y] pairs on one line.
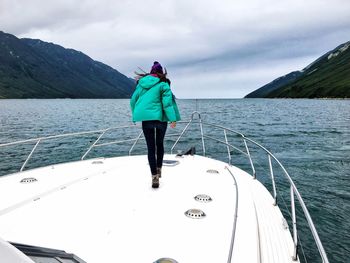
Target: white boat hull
[[104, 210]]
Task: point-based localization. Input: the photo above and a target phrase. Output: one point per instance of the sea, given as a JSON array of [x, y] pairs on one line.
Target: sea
[[310, 137]]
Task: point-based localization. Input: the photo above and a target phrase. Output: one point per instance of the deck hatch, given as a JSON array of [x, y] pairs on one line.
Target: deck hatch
[[166, 260], [203, 198], [195, 213], [170, 162]]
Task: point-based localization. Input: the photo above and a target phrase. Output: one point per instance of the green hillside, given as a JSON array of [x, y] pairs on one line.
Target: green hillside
[[274, 85], [327, 77], [36, 69]]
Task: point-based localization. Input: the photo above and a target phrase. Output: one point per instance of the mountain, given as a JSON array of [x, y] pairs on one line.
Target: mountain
[[31, 68], [326, 77], [275, 84]]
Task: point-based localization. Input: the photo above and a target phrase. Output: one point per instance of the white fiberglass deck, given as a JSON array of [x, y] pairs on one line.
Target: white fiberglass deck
[[104, 210]]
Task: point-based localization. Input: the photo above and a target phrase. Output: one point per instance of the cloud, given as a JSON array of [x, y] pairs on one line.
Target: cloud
[[233, 81], [205, 42]]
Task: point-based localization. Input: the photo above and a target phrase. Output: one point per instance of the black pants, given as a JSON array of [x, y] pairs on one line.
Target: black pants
[[154, 132]]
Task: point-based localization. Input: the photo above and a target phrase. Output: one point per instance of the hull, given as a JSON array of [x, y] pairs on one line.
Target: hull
[[104, 210]]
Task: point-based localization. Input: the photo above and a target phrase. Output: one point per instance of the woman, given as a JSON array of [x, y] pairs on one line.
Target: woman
[[153, 103]]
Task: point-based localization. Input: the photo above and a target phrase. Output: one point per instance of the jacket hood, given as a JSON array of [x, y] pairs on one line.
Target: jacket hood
[[148, 82]]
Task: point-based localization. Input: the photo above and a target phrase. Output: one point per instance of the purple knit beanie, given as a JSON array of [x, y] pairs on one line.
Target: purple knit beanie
[[156, 68]]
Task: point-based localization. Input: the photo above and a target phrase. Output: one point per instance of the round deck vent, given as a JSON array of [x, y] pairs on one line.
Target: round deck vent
[[28, 180], [165, 260], [195, 213], [212, 171], [203, 198]]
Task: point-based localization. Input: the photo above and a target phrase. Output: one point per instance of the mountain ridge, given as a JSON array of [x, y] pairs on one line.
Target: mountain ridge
[[273, 85], [326, 77], [32, 68]]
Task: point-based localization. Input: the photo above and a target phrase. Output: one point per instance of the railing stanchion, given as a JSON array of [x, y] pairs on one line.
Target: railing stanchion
[[294, 222], [202, 134], [228, 148], [30, 155], [99, 137], [273, 180], [177, 140], [250, 158], [137, 139]]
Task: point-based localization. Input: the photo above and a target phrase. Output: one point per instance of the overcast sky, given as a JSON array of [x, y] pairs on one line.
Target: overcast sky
[[220, 49]]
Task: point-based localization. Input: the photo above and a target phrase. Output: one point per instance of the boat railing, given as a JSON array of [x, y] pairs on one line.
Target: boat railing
[[197, 119]]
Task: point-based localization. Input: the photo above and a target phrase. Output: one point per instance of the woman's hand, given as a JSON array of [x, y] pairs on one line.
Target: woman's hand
[[173, 124]]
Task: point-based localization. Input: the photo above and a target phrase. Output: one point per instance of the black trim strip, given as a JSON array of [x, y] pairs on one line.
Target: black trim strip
[[37, 251]]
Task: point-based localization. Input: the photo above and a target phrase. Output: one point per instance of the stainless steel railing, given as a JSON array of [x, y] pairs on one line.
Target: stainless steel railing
[[196, 119]]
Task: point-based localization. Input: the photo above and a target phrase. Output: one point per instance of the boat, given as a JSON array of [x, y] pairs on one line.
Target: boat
[[103, 209]]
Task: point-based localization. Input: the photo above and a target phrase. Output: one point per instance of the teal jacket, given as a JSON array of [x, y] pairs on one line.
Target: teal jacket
[[153, 100]]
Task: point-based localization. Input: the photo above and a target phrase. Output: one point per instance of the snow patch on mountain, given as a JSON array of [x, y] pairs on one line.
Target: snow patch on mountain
[[340, 50]]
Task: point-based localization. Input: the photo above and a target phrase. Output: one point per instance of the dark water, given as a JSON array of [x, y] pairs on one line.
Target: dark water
[[310, 137]]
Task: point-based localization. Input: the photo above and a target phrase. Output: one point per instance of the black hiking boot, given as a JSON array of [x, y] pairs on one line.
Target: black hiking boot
[[155, 181]]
